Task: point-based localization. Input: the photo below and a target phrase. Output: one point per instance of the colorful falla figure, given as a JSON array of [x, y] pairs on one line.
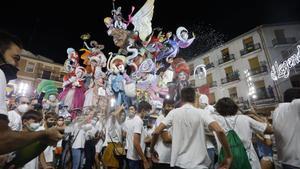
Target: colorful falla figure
[[73, 89], [118, 78]]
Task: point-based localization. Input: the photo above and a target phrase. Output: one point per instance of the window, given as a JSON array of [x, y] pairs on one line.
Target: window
[[225, 53], [192, 83], [254, 63], [279, 34], [228, 70], [46, 74], [209, 79], [260, 89], [29, 67], [233, 94], [212, 98], [248, 42], [191, 66], [206, 60]]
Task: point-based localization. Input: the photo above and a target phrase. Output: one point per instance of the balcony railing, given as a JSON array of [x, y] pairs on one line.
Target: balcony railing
[[210, 65], [212, 84], [226, 59], [258, 70], [284, 41], [230, 77], [250, 49], [263, 100]]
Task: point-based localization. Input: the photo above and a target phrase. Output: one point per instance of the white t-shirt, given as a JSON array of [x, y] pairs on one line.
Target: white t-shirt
[[33, 164], [3, 106], [100, 127], [113, 131], [79, 136], [163, 149], [48, 152], [15, 120], [244, 126], [188, 139], [286, 124], [125, 128], [135, 127]]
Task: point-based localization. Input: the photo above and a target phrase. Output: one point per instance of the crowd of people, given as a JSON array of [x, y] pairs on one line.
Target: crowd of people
[[193, 135]]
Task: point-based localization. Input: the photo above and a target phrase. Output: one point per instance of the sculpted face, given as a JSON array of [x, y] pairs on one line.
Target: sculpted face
[[119, 37]]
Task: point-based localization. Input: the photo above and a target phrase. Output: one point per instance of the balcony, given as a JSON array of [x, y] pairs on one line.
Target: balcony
[[226, 59], [230, 77], [259, 70], [212, 84], [267, 101], [250, 48], [284, 41], [210, 65]]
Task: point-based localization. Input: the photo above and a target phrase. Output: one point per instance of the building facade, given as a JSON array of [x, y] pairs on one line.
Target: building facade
[[240, 68], [32, 70]]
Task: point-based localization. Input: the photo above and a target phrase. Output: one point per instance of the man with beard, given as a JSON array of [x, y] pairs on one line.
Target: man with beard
[[10, 49], [163, 145]]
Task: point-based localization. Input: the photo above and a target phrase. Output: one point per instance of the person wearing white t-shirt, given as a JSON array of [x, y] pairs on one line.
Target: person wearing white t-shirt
[[10, 49], [286, 124], [14, 116], [163, 146], [210, 139], [113, 138], [135, 134], [242, 125], [188, 137], [47, 157], [31, 121], [131, 114]]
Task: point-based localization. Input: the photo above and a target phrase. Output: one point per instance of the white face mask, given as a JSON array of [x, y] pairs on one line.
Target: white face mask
[[23, 108], [33, 126], [52, 98], [93, 122], [131, 114]]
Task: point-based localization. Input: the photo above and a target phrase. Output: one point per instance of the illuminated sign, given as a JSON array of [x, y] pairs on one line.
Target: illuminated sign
[[283, 70]]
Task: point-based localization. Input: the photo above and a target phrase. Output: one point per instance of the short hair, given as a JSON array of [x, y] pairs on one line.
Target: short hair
[[60, 117], [168, 101], [51, 115], [188, 94], [17, 100], [143, 105], [6, 40], [226, 107], [290, 94], [32, 114], [133, 106]]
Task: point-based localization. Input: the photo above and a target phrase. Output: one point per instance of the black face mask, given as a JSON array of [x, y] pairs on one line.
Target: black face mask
[[49, 125], [10, 71]]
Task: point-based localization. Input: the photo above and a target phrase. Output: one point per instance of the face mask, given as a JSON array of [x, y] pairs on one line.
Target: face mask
[[93, 122], [52, 98], [10, 71], [67, 122], [131, 114], [50, 124], [33, 126], [23, 108]]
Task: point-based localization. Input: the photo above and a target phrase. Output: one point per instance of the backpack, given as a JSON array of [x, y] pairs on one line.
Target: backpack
[[240, 158]]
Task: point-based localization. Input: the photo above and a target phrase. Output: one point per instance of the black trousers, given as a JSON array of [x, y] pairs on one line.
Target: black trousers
[[161, 166], [89, 152]]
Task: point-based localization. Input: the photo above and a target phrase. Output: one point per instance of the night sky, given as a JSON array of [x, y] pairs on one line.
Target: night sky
[[49, 28]]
